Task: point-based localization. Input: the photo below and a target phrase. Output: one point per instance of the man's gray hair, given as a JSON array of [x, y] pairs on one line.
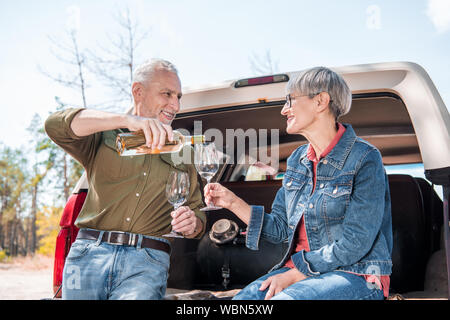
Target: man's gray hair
[[321, 79], [145, 71]]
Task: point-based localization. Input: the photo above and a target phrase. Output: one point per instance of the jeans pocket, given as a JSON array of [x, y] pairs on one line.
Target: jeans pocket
[[79, 249], [159, 257], [376, 294]]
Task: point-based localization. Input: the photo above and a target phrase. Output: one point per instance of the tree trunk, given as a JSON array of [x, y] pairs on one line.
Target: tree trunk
[[12, 238], [2, 236], [32, 229]]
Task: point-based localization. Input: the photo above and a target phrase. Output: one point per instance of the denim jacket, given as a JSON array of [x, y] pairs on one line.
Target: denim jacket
[[347, 217]]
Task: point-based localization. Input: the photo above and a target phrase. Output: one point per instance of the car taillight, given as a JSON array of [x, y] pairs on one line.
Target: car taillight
[[60, 255], [66, 236], [261, 80]]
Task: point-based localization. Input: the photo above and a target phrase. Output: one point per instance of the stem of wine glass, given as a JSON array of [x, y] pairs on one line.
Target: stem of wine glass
[[208, 180], [175, 207]]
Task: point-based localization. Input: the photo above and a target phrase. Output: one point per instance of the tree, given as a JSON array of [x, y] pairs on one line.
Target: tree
[[47, 221], [70, 54], [54, 161], [114, 64], [265, 64], [13, 192], [41, 167], [51, 165]]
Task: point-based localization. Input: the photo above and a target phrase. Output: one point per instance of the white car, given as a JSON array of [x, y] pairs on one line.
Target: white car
[[395, 107]]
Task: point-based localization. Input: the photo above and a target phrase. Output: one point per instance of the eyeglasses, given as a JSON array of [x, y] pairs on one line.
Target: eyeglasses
[[290, 97]]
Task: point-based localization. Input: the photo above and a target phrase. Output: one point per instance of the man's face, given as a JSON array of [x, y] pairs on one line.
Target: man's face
[[159, 98]]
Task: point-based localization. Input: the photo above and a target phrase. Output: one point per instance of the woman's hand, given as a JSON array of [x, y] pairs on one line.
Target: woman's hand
[[281, 281], [222, 197], [219, 195]]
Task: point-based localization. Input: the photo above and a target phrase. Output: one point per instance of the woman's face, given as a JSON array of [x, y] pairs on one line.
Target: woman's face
[[300, 114]]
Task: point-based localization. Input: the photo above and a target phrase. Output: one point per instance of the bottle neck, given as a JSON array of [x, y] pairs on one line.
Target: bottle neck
[[191, 140]]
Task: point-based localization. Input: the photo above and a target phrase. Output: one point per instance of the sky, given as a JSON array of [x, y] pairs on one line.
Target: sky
[[212, 41]]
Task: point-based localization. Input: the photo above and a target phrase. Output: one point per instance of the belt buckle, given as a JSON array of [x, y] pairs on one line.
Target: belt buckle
[[109, 238], [131, 238]]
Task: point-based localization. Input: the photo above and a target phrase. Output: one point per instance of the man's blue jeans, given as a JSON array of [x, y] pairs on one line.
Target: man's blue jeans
[[335, 285], [96, 270]]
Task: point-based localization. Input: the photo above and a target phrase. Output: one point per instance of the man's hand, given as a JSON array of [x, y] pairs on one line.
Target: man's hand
[[155, 132], [185, 222], [89, 121], [281, 281]]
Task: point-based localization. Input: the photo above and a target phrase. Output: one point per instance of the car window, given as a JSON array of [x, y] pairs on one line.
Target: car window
[[415, 170], [260, 171]]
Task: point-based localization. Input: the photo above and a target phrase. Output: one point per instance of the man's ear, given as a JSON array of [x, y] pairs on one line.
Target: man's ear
[[137, 90]]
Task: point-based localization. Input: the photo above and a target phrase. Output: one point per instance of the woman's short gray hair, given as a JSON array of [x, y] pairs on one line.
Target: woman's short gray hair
[[321, 79], [145, 71]]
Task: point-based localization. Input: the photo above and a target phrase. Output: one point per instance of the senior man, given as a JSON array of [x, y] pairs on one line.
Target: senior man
[[120, 251]]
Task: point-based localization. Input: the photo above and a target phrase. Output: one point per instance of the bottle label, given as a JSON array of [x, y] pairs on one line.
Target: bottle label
[[133, 143], [199, 139]]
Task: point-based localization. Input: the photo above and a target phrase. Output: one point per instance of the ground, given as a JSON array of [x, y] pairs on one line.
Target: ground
[[31, 278], [28, 278]]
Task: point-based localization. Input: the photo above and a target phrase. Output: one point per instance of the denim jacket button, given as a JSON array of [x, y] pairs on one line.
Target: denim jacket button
[[289, 183], [311, 205], [321, 185], [325, 161]]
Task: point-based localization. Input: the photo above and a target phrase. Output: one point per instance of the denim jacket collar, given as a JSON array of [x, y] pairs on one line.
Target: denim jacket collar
[[339, 153]]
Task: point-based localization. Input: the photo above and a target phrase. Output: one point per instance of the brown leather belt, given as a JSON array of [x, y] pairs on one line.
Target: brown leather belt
[[124, 239]]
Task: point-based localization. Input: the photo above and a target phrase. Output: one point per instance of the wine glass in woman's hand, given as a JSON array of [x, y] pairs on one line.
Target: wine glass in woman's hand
[[207, 164]]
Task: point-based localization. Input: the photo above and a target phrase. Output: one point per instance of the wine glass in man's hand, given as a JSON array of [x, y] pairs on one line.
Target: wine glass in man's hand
[[177, 192]]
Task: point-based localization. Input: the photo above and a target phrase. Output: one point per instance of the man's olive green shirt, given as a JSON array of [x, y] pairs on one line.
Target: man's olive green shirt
[[125, 193]]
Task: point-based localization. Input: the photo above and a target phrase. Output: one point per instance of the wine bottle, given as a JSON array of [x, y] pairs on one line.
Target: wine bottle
[[133, 143]]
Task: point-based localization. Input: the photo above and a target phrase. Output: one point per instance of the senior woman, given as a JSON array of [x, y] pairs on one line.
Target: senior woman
[[333, 207]]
